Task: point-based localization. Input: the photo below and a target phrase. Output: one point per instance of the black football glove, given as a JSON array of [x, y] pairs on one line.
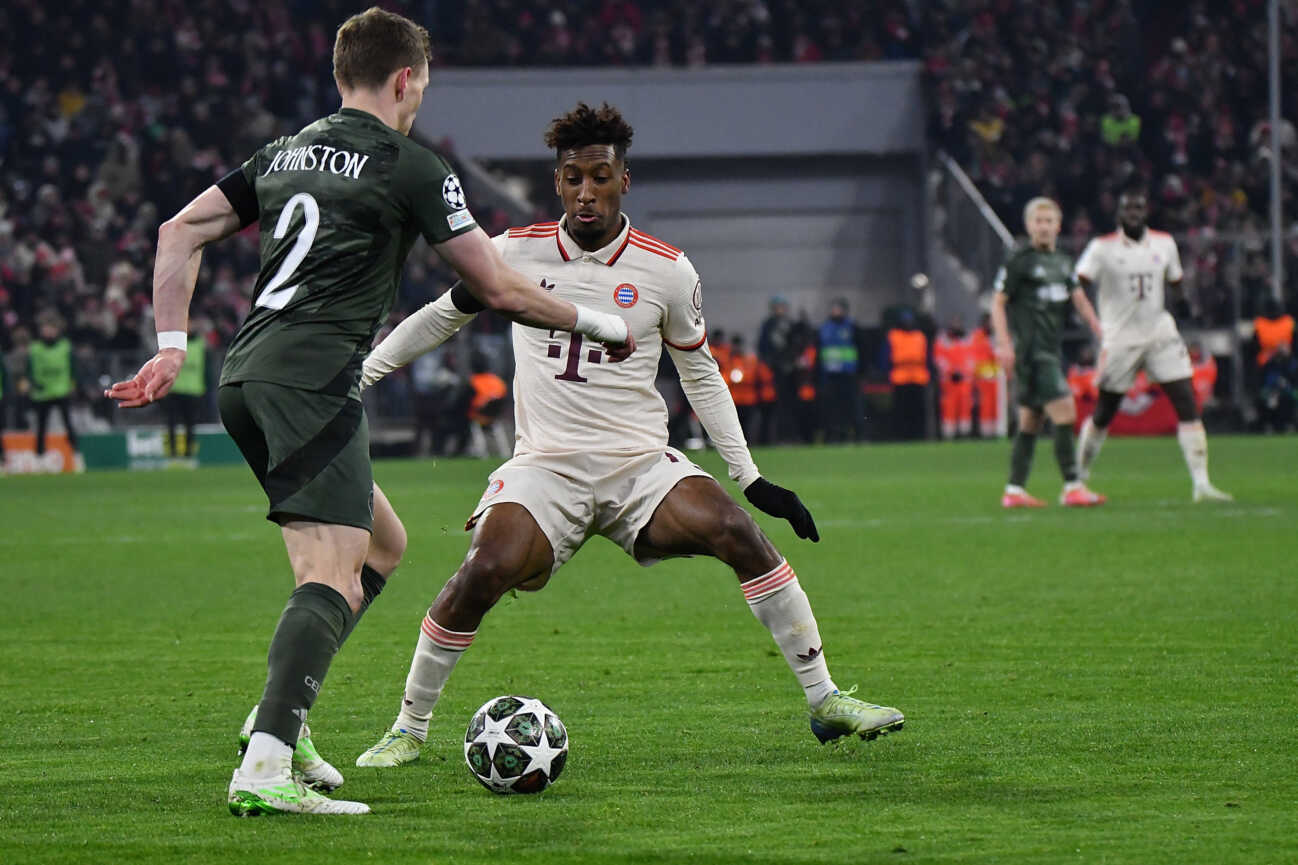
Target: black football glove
[[782, 503]]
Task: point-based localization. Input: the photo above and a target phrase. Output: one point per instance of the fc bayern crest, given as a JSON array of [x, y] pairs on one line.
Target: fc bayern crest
[[452, 193], [494, 487], [625, 295]]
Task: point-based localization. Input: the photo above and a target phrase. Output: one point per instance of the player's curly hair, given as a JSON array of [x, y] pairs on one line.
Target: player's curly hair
[[584, 125]]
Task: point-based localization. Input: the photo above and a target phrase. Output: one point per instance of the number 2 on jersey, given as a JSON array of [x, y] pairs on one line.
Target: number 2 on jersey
[[273, 296]]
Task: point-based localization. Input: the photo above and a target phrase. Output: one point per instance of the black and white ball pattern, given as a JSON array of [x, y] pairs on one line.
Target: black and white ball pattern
[[515, 745]]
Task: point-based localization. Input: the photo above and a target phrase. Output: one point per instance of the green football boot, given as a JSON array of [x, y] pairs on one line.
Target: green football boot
[[842, 714], [283, 794], [313, 770], [396, 748]]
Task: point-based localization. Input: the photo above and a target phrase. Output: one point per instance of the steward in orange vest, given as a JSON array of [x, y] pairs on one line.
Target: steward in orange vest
[[908, 350], [908, 372], [1274, 332], [954, 357]]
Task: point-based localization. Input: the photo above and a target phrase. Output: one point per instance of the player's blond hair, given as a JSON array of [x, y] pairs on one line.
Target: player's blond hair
[[1039, 202]]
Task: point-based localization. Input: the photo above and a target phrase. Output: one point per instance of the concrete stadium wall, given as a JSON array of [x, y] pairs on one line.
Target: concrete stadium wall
[[804, 181]]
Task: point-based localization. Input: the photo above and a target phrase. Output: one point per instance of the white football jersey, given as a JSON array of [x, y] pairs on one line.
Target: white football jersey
[[568, 398], [1130, 276]]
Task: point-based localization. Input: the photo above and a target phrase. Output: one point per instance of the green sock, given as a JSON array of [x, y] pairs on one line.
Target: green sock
[[372, 582], [308, 635], [1021, 457], [1065, 453]]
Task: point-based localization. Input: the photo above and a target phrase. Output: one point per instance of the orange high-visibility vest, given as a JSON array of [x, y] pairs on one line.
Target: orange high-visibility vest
[[744, 378], [954, 356], [984, 356], [487, 387], [909, 357], [1271, 334], [765, 382], [721, 353], [1081, 380], [1203, 378]]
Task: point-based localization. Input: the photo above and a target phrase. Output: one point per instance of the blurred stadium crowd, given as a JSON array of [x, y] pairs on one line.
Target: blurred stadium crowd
[[1071, 99], [113, 115]]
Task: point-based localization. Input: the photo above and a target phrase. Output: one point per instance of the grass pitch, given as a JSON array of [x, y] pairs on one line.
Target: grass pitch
[[1111, 685]]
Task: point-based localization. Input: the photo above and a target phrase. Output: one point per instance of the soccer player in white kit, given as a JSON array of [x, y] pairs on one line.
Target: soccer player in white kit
[[591, 454], [1129, 268]]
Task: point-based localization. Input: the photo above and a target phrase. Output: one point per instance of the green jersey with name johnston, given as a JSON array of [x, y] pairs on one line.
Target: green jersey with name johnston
[[339, 206]]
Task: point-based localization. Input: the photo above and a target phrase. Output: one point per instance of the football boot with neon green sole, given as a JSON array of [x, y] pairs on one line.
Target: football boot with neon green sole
[[283, 794], [313, 770], [396, 748], [841, 714]]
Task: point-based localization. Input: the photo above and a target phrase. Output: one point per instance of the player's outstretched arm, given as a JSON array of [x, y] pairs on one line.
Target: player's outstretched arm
[[430, 326], [208, 218], [710, 398], [497, 285]]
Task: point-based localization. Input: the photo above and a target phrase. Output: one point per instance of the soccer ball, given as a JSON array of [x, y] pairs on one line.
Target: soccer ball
[[515, 745]]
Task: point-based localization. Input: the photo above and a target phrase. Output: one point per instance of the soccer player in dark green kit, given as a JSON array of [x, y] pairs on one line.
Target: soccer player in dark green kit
[[339, 206], [1033, 291]]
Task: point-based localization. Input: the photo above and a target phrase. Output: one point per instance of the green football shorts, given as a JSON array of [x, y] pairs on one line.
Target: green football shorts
[[1040, 381], [310, 451]]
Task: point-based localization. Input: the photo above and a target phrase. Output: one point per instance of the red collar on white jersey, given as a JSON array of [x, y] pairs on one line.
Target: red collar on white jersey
[[608, 255]]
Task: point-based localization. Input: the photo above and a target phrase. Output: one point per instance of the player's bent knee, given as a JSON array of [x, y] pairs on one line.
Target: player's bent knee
[[387, 550], [1106, 408], [1181, 394], [736, 540], [482, 579]]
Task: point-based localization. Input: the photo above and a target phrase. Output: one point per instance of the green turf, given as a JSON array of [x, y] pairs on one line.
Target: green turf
[[1112, 685]]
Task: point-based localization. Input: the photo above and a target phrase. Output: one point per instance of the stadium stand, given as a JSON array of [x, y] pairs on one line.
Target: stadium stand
[[112, 115], [1071, 99]]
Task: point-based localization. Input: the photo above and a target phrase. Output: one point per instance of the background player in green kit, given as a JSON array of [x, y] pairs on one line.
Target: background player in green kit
[[1033, 290], [339, 206]]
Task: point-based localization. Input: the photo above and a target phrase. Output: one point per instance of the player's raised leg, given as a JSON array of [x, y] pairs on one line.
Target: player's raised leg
[[1193, 440], [697, 517], [508, 550]]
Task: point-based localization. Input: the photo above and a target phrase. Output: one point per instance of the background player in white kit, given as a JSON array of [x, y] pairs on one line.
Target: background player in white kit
[[591, 455], [1129, 268]]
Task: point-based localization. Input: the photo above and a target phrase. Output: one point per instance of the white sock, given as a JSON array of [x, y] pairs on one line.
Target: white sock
[[1194, 445], [817, 693], [1015, 490], [436, 653], [1088, 447], [779, 603], [267, 756]]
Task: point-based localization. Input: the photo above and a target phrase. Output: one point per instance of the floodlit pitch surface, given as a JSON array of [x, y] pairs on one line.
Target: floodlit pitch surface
[[1108, 685]]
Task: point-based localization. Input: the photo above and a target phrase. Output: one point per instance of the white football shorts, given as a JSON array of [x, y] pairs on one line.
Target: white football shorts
[[575, 496], [1163, 360]]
